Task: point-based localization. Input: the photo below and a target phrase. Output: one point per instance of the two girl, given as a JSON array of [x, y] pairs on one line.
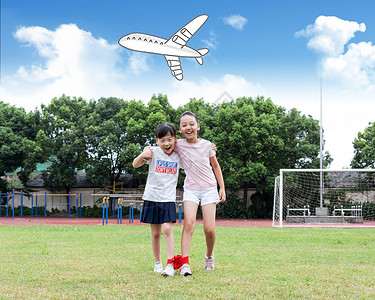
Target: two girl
[[200, 187]]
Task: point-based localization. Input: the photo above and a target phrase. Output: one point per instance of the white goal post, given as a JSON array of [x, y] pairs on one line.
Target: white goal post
[[324, 196]]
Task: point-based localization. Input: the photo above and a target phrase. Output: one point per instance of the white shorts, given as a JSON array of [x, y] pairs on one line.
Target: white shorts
[[202, 197]]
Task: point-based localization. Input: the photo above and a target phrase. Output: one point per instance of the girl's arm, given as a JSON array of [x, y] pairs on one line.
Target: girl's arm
[[141, 159], [219, 177]]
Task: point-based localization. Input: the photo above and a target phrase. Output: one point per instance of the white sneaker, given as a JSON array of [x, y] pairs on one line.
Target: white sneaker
[[185, 270], [169, 270], [158, 267], [209, 263]]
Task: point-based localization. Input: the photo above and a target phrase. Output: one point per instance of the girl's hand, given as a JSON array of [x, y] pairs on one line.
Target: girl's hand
[[142, 158], [213, 147], [222, 195], [147, 153]]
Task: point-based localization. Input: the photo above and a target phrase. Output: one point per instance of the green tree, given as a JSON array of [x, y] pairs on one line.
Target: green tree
[[167, 109], [364, 148], [139, 122], [255, 138], [116, 133], [248, 140], [106, 141], [11, 155], [301, 138], [15, 128], [34, 153], [204, 111], [63, 122]]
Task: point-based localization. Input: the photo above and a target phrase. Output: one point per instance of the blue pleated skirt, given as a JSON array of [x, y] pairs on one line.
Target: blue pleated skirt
[[158, 212]]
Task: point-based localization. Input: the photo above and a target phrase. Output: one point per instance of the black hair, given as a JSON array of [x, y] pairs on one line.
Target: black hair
[[163, 129], [188, 113]]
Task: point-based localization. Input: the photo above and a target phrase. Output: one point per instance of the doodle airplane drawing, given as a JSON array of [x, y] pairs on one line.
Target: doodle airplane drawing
[[172, 49]]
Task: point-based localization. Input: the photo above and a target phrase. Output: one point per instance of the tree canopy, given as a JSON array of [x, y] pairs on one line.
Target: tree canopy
[[364, 148], [16, 127], [254, 138]]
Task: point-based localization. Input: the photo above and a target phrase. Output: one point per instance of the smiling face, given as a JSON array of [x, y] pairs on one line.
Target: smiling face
[[189, 128], [167, 143]]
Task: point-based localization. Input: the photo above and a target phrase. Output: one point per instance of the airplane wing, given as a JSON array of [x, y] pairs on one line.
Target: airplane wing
[[175, 65], [182, 36]]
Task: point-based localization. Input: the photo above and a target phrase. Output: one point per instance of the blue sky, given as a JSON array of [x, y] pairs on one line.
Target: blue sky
[[276, 49]]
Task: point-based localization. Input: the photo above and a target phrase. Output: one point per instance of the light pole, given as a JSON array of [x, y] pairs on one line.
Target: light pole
[[321, 135]]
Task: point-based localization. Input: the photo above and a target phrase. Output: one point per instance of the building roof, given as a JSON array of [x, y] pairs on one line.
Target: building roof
[[82, 182], [349, 179]]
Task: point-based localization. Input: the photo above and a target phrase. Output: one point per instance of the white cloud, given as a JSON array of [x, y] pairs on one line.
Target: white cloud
[[329, 35], [356, 66], [236, 86], [236, 21], [212, 42], [138, 62], [353, 67], [37, 36], [345, 113], [73, 63]]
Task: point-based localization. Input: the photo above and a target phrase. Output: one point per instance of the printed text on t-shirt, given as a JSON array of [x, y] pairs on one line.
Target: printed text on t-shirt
[[167, 167]]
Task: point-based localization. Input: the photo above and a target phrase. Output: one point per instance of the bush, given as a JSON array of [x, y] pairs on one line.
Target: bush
[[87, 212], [233, 208], [92, 212], [26, 211]]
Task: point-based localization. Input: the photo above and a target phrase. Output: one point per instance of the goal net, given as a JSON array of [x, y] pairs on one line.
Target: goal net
[[324, 196]]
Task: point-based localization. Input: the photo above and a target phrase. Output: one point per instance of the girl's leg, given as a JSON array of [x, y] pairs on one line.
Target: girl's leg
[[190, 217], [155, 240], [169, 239], [209, 216], [169, 245]]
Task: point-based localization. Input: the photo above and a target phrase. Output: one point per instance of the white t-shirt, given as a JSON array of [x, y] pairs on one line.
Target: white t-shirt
[[162, 176], [196, 160]]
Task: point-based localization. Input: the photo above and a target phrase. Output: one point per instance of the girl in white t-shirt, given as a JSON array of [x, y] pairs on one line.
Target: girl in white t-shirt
[[159, 197], [200, 187]]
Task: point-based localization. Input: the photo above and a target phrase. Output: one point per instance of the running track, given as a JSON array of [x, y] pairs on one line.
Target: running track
[[125, 222]]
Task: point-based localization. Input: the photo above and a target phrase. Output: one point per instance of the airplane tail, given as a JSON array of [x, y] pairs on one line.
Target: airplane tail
[[202, 52]]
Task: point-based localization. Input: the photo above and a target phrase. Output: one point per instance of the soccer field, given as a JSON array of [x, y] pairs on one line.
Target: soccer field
[[116, 262]]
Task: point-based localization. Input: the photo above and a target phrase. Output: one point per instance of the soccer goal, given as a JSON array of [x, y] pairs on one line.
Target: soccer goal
[[324, 196]]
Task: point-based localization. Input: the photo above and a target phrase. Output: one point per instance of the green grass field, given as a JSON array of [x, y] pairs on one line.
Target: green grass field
[[116, 262]]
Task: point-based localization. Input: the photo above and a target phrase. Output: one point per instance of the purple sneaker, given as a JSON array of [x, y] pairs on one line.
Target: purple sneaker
[[209, 263]]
